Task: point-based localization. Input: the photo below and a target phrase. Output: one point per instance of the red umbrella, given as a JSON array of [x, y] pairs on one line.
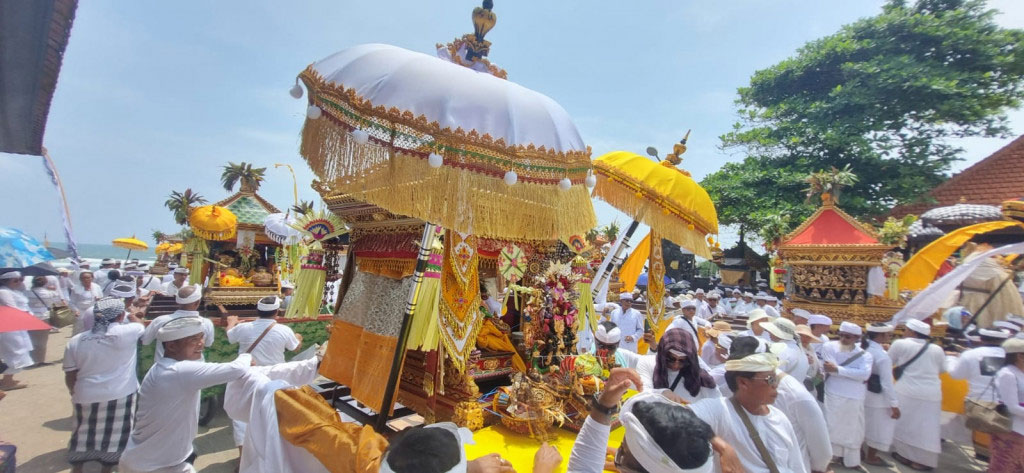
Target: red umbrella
[[13, 320]]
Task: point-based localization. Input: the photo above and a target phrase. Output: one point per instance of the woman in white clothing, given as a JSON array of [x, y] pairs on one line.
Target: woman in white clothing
[[83, 297], [1008, 449], [40, 299], [15, 347]]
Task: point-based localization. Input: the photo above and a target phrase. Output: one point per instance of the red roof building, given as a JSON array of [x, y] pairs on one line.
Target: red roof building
[[991, 181]]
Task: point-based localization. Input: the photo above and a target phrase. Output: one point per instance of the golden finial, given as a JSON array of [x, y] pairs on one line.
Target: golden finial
[[483, 20], [677, 150]]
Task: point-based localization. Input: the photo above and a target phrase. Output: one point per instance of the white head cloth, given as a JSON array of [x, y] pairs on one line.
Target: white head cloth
[[266, 307], [850, 328], [699, 291], [761, 297], [287, 284], [689, 304], [880, 328], [181, 270], [11, 275], [123, 291], [803, 313], [463, 435], [1004, 334], [1007, 325], [747, 294], [725, 340], [714, 295], [179, 328], [919, 327], [194, 297], [818, 319], [755, 363], [626, 296], [644, 449], [604, 335]]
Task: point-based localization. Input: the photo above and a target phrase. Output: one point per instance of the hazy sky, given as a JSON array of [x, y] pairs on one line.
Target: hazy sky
[[156, 96]]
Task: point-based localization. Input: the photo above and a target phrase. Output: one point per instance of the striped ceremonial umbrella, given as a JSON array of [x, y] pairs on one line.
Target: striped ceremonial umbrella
[[130, 244], [18, 250]]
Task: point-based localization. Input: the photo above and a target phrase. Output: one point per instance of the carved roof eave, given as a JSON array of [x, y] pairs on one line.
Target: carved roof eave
[[875, 311], [845, 255], [357, 213], [810, 220], [233, 197]]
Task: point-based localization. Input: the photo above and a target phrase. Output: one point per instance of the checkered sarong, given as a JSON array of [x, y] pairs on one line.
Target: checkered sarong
[[101, 430]]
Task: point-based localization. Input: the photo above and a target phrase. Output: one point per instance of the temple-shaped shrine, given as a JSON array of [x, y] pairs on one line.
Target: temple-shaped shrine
[[836, 268]]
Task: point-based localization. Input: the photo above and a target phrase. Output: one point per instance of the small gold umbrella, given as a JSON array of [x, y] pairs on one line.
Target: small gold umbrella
[[130, 244], [212, 222]]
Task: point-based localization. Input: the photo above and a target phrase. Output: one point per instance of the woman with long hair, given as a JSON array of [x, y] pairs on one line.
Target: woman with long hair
[[677, 368]]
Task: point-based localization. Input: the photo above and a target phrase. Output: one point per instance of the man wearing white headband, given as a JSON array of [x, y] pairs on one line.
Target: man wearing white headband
[[264, 338], [713, 307], [847, 368], [188, 298], [744, 305], [180, 280], [917, 364], [167, 419], [15, 347], [754, 381], [606, 341], [661, 436], [881, 407], [287, 290], [688, 320], [978, 366], [630, 321], [761, 300]]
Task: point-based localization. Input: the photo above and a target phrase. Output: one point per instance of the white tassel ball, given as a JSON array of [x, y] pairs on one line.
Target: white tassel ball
[[435, 160], [511, 178]]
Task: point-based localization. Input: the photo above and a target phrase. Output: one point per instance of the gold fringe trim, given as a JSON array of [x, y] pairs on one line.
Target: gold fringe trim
[[214, 236], [393, 268], [668, 225], [450, 196]]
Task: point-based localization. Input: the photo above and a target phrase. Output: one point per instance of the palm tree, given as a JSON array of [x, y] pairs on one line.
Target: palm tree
[[303, 207], [611, 231], [179, 203], [243, 172], [158, 236]]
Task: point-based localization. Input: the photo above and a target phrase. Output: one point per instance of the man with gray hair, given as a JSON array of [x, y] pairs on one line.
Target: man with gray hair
[[188, 298]]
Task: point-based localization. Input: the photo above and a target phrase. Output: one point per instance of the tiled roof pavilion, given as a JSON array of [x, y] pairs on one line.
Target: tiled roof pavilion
[[991, 181]]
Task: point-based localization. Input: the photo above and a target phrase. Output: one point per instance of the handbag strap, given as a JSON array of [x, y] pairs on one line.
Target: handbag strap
[[41, 301], [853, 358], [755, 437], [916, 356], [260, 339]]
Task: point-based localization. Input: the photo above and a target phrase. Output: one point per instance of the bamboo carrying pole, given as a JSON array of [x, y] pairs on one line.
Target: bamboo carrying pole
[[604, 273], [426, 242]]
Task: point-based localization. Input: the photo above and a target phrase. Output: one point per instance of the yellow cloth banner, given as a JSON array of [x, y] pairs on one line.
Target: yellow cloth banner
[[634, 265], [519, 449]]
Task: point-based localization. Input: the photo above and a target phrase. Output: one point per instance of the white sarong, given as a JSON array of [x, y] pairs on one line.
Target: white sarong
[[845, 418], [918, 434], [879, 427], [16, 351]]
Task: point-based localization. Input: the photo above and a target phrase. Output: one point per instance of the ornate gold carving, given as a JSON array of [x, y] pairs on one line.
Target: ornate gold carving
[[469, 414]]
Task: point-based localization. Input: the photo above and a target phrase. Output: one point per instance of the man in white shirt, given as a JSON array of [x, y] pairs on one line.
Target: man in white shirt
[[772, 306], [630, 321], [978, 366], [147, 283], [493, 306], [167, 420], [287, 289], [102, 275], [754, 381], [881, 407], [713, 308], [188, 298], [264, 338], [917, 441], [756, 319], [744, 305], [792, 359], [847, 368], [761, 302], [688, 320], [180, 276]]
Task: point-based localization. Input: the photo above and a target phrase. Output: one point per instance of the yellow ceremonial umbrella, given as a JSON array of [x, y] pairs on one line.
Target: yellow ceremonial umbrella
[[130, 244], [921, 269], [212, 222], [658, 194], [169, 248]]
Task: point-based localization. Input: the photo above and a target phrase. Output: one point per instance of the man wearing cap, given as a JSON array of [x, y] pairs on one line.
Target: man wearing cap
[[978, 365], [744, 306], [792, 359], [917, 442], [167, 419], [15, 347], [755, 320], [188, 299], [881, 407], [712, 307], [712, 352], [847, 368], [735, 297], [753, 380], [180, 277], [147, 283], [761, 301], [630, 321], [101, 275]]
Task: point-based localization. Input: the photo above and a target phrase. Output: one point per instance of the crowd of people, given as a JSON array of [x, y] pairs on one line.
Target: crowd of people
[[777, 395]]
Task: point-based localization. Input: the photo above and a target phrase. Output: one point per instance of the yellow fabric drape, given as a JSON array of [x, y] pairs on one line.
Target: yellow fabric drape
[[519, 449], [424, 333], [495, 340], [921, 269], [306, 420], [631, 269]]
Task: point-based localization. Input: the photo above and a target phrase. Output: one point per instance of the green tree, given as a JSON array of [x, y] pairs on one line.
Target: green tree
[[158, 235], [243, 172], [179, 203], [303, 207], [881, 97]]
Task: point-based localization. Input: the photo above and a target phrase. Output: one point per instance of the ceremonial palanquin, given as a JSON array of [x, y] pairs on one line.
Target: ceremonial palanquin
[[835, 266]]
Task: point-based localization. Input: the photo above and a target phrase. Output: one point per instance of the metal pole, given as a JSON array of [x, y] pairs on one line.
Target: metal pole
[[605, 271], [396, 363]]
